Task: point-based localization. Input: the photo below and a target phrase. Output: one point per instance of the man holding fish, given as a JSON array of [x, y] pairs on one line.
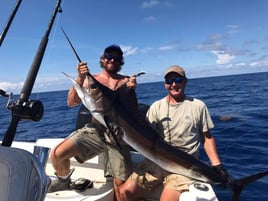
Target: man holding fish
[[183, 122], [94, 138]]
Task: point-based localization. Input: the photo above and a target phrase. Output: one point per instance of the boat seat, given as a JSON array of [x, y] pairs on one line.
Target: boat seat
[[22, 177]]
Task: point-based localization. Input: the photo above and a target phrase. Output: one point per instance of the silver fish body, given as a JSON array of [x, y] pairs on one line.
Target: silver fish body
[[90, 100], [105, 104], [137, 134]]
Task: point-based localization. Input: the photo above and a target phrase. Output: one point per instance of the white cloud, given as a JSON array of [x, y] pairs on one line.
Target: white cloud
[[150, 18], [128, 50], [168, 4], [241, 64], [167, 47], [210, 45], [223, 57], [11, 87], [147, 49], [150, 3], [256, 64], [232, 29], [40, 85]]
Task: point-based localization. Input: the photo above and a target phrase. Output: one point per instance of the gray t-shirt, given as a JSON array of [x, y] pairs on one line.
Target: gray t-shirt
[[180, 124]]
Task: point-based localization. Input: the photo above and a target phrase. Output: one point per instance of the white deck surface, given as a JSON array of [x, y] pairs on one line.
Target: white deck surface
[[92, 169], [102, 188]]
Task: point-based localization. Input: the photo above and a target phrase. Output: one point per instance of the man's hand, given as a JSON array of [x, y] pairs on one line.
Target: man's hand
[[132, 83], [82, 71], [223, 173]]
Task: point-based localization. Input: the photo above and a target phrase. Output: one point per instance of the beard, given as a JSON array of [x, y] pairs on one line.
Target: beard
[[113, 70]]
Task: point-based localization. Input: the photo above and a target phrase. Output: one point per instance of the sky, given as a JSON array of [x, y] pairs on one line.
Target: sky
[[206, 37]]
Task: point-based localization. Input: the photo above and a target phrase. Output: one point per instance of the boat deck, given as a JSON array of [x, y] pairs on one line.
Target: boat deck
[[102, 189], [92, 169]]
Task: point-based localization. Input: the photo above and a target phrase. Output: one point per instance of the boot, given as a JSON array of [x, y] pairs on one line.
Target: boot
[[60, 183]]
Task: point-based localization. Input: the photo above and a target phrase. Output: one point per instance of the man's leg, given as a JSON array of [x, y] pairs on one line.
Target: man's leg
[[170, 195], [117, 184], [174, 186], [130, 191], [60, 159], [117, 163]]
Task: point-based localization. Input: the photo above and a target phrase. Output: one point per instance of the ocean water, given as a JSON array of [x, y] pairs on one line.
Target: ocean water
[[242, 140]]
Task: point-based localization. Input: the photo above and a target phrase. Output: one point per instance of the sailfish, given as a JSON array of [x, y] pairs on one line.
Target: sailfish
[[104, 103]]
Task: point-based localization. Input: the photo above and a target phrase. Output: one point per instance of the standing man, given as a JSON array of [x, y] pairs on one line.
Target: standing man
[[185, 123], [91, 140]]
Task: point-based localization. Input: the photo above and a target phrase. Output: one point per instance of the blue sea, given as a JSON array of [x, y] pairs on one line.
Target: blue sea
[[242, 140]]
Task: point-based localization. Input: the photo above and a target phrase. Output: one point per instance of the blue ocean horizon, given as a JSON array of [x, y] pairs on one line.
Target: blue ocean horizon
[[238, 105]]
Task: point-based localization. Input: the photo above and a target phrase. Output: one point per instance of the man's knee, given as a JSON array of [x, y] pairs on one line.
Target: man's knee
[[52, 155], [118, 182], [62, 151], [125, 193], [56, 153], [129, 191]]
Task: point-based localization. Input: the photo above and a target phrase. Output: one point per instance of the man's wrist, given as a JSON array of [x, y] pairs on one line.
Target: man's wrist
[[80, 80]]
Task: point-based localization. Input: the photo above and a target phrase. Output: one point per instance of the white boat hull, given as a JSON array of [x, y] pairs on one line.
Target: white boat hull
[[103, 187]]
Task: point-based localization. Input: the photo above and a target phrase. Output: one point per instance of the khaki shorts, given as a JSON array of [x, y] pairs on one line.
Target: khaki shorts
[[150, 176], [117, 162], [90, 143]]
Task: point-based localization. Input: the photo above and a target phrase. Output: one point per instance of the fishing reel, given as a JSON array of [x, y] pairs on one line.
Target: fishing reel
[[30, 110], [3, 93]]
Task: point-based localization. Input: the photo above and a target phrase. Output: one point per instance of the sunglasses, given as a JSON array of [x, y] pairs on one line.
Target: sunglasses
[[177, 80], [115, 58]]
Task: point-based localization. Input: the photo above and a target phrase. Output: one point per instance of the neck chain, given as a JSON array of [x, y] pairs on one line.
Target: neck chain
[[168, 120]]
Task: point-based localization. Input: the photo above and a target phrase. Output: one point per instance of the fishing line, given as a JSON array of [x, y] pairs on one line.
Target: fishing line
[[54, 33], [48, 52]]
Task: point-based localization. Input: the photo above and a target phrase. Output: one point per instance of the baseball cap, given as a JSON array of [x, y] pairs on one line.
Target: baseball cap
[[175, 69], [114, 48]]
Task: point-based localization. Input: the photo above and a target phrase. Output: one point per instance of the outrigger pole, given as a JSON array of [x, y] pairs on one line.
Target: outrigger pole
[[3, 34], [23, 108]]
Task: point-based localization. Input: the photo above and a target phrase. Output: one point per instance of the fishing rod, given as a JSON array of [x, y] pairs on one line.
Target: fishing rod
[[11, 17], [78, 58], [23, 108]]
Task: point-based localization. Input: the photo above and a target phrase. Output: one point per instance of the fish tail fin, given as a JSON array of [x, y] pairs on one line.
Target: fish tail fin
[[238, 185]]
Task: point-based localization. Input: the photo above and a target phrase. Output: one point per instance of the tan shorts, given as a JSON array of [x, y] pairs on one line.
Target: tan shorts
[[90, 143], [150, 176]]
